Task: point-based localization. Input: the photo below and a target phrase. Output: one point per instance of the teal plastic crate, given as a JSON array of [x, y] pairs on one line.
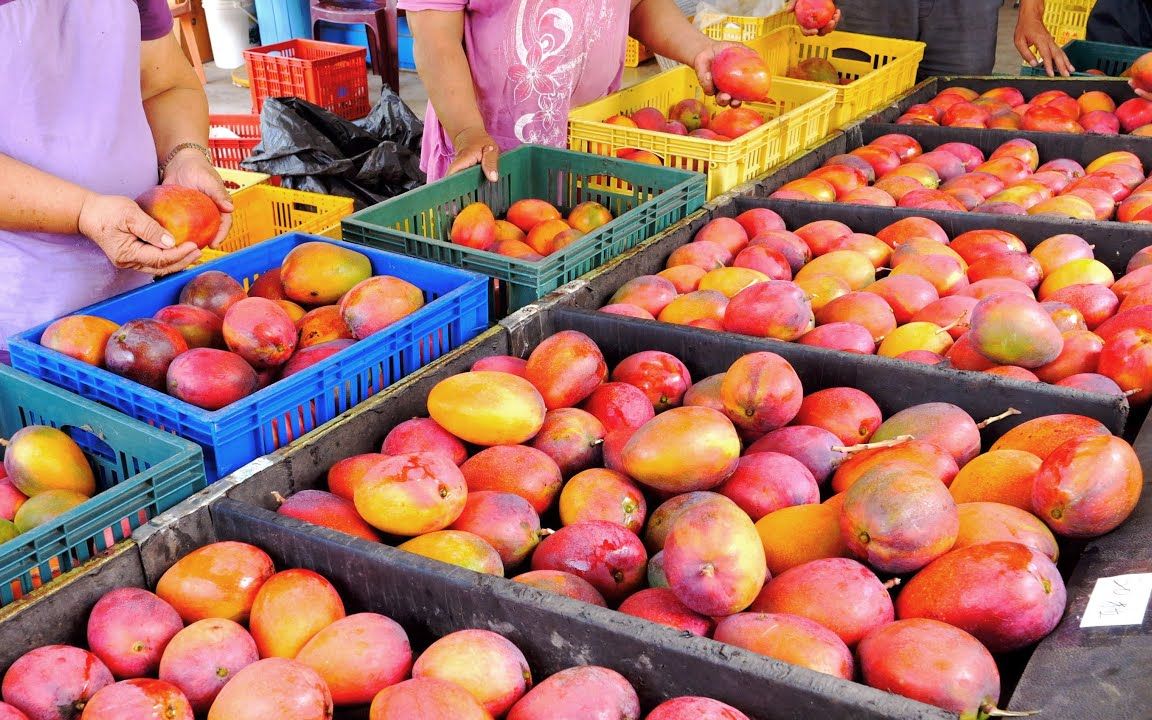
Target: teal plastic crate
[[1112, 60], [644, 199], [140, 472]]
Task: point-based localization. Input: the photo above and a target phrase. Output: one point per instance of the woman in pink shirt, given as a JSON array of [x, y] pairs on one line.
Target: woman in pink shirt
[[501, 73]]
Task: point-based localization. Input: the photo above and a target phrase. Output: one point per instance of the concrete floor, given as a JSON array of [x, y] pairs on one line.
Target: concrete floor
[[226, 98]]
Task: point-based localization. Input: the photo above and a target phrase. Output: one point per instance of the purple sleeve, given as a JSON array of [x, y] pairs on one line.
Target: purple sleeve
[[155, 19]]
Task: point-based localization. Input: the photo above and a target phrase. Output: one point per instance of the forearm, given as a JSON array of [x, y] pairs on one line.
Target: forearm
[[664, 30], [32, 200], [444, 69], [178, 115], [174, 99], [1031, 8]]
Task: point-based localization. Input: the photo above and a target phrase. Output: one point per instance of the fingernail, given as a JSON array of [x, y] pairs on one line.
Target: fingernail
[[167, 241]]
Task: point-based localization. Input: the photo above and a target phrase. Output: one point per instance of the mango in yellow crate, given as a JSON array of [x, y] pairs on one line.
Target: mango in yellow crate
[[641, 156], [319, 273], [39, 458], [740, 71]]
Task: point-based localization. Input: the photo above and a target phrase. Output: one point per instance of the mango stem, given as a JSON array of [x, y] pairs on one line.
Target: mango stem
[[1007, 413], [848, 450], [280, 499], [892, 583]]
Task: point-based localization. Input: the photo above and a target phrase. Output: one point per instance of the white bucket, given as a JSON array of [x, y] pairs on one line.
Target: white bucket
[[228, 24]]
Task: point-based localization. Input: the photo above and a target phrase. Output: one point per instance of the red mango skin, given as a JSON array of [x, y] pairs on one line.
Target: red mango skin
[[1006, 595], [566, 368], [662, 377], [424, 435], [898, 519], [54, 681], [983, 522], [559, 582], [789, 638], [942, 424], [849, 414], [619, 405], [839, 593], [579, 693], [914, 453], [505, 521], [660, 605], [138, 697], [328, 510], [273, 688], [765, 482], [572, 438], [695, 708], [204, 656], [932, 662], [129, 628], [1088, 486], [815, 448], [605, 554]]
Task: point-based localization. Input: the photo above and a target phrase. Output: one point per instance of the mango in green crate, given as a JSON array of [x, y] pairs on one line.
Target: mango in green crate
[[39, 458]]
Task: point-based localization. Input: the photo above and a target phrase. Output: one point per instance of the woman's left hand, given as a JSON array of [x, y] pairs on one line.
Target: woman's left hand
[[702, 64], [192, 170]]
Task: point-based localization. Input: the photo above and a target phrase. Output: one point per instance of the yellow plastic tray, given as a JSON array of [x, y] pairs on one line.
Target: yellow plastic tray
[[1067, 20], [798, 118], [736, 28], [635, 53], [265, 211], [238, 180], [879, 69]]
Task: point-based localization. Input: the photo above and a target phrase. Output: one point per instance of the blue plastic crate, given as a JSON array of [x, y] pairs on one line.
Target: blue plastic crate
[[140, 472], [456, 310], [404, 50]]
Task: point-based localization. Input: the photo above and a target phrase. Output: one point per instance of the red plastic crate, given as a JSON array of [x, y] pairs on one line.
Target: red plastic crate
[[330, 75], [228, 152]]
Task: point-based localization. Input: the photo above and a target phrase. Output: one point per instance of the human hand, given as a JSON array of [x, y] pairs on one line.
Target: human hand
[[702, 64], [791, 4], [1031, 33], [191, 169], [1141, 93], [474, 146], [130, 238]]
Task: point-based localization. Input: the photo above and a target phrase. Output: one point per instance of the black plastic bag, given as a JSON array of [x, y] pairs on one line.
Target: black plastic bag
[[310, 148]]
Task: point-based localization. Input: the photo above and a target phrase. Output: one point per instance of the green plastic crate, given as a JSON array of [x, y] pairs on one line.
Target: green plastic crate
[[1110, 59], [644, 199], [140, 473]]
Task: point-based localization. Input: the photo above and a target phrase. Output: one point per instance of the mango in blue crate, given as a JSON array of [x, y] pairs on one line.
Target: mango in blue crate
[[377, 302], [82, 337], [39, 458], [320, 273], [7, 530]]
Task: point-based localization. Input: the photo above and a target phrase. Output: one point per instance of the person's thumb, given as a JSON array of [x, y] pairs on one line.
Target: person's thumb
[[148, 230], [490, 161]]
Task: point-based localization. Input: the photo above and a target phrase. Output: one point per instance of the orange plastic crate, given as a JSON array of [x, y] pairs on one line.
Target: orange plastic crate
[[330, 75], [228, 152]]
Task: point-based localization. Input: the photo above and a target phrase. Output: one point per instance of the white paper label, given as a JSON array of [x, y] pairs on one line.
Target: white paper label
[[1119, 600]]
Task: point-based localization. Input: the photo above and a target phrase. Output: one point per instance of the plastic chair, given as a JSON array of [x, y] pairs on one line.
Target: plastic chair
[[183, 21], [380, 19]]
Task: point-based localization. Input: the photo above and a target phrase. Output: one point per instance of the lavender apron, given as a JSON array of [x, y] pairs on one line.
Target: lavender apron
[[70, 105]]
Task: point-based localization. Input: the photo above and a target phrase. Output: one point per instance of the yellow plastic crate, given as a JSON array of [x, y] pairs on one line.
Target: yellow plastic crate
[[237, 180], [265, 211], [879, 69], [1067, 20], [797, 115], [736, 28], [334, 231], [635, 53]]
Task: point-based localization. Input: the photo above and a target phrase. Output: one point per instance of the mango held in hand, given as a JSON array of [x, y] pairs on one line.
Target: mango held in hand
[[740, 71], [188, 215], [39, 458]]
